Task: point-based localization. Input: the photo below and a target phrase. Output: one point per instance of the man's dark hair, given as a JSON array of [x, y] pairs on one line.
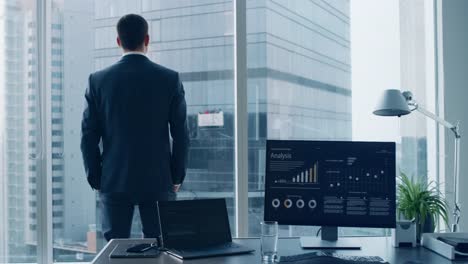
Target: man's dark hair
[[132, 30]]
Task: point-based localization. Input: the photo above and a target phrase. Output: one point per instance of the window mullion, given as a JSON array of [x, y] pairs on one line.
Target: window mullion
[[44, 182], [241, 118]]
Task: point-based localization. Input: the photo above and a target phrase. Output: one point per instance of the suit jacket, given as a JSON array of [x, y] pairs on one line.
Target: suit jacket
[[131, 107]]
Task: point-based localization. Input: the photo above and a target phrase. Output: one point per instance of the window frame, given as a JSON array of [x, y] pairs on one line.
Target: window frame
[[44, 70], [44, 184], [241, 137]]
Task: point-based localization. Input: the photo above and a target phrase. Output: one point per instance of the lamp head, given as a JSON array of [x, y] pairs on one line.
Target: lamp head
[[393, 103]]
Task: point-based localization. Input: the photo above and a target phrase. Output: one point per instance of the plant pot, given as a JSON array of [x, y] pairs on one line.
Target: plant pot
[[427, 227], [404, 234]]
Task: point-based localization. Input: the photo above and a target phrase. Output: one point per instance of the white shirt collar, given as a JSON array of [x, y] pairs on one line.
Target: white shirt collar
[[133, 53]]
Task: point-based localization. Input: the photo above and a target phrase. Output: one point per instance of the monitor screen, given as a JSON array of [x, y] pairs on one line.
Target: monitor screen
[[330, 183]]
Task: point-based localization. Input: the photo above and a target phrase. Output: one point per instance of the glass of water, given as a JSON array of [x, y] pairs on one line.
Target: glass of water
[[269, 241]]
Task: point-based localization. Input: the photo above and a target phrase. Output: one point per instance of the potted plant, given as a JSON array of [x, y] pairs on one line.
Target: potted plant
[[422, 202]]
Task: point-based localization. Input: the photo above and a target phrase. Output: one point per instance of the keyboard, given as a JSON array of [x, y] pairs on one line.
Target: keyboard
[[325, 257]]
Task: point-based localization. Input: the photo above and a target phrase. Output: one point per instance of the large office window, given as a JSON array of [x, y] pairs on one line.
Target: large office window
[[74, 205], [19, 144], [182, 37], [315, 69], [299, 65]]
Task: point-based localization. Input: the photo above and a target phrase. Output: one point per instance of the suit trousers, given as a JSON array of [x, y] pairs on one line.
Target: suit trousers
[[117, 214]]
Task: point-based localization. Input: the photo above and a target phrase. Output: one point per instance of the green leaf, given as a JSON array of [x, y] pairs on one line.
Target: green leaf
[[420, 199]]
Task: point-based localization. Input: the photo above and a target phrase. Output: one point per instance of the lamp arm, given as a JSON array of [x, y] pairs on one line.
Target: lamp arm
[[439, 120], [456, 160], [432, 116]]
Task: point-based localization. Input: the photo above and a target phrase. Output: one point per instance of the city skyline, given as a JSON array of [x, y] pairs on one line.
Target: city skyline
[[209, 85], [299, 87]]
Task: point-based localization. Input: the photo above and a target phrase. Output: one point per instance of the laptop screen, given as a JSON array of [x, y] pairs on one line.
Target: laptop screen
[[194, 223]]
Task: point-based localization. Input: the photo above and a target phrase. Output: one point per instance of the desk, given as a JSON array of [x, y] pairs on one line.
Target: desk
[[373, 246]]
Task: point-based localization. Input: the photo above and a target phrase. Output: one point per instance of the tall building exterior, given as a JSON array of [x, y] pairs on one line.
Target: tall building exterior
[[14, 195], [3, 177], [73, 202], [33, 127], [299, 87], [56, 122], [79, 200], [21, 120], [299, 83], [57, 105]]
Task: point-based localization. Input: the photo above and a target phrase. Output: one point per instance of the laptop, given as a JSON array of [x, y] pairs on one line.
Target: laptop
[[193, 229]]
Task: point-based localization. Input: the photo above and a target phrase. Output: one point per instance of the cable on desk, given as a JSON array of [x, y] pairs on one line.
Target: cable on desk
[[318, 231]]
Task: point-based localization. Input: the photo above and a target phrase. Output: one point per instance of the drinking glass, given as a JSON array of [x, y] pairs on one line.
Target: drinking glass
[[269, 241]]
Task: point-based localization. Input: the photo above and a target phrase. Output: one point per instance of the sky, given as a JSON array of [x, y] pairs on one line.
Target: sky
[[375, 66]]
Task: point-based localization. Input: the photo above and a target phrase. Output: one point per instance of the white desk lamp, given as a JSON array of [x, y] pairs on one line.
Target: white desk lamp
[[393, 102]]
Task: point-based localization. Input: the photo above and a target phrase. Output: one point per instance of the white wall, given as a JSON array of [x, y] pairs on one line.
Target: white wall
[[455, 85]]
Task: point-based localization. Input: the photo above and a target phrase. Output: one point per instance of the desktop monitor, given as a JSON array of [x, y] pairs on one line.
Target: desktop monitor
[[330, 184]]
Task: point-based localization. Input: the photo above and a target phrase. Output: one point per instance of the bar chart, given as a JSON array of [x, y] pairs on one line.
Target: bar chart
[[309, 175]]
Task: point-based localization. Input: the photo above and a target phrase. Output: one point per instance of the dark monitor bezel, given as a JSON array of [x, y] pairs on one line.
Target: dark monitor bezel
[[342, 223]]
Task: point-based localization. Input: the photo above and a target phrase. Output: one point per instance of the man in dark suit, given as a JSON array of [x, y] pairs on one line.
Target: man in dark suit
[[131, 107]]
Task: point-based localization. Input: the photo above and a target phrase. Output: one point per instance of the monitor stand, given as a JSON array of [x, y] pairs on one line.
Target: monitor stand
[[329, 240]]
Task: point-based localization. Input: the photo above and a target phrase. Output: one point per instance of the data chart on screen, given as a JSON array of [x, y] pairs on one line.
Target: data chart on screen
[[340, 183]]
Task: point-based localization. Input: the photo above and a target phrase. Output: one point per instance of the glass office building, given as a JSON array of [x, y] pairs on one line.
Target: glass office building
[[56, 123], [299, 87], [299, 83], [14, 163]]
